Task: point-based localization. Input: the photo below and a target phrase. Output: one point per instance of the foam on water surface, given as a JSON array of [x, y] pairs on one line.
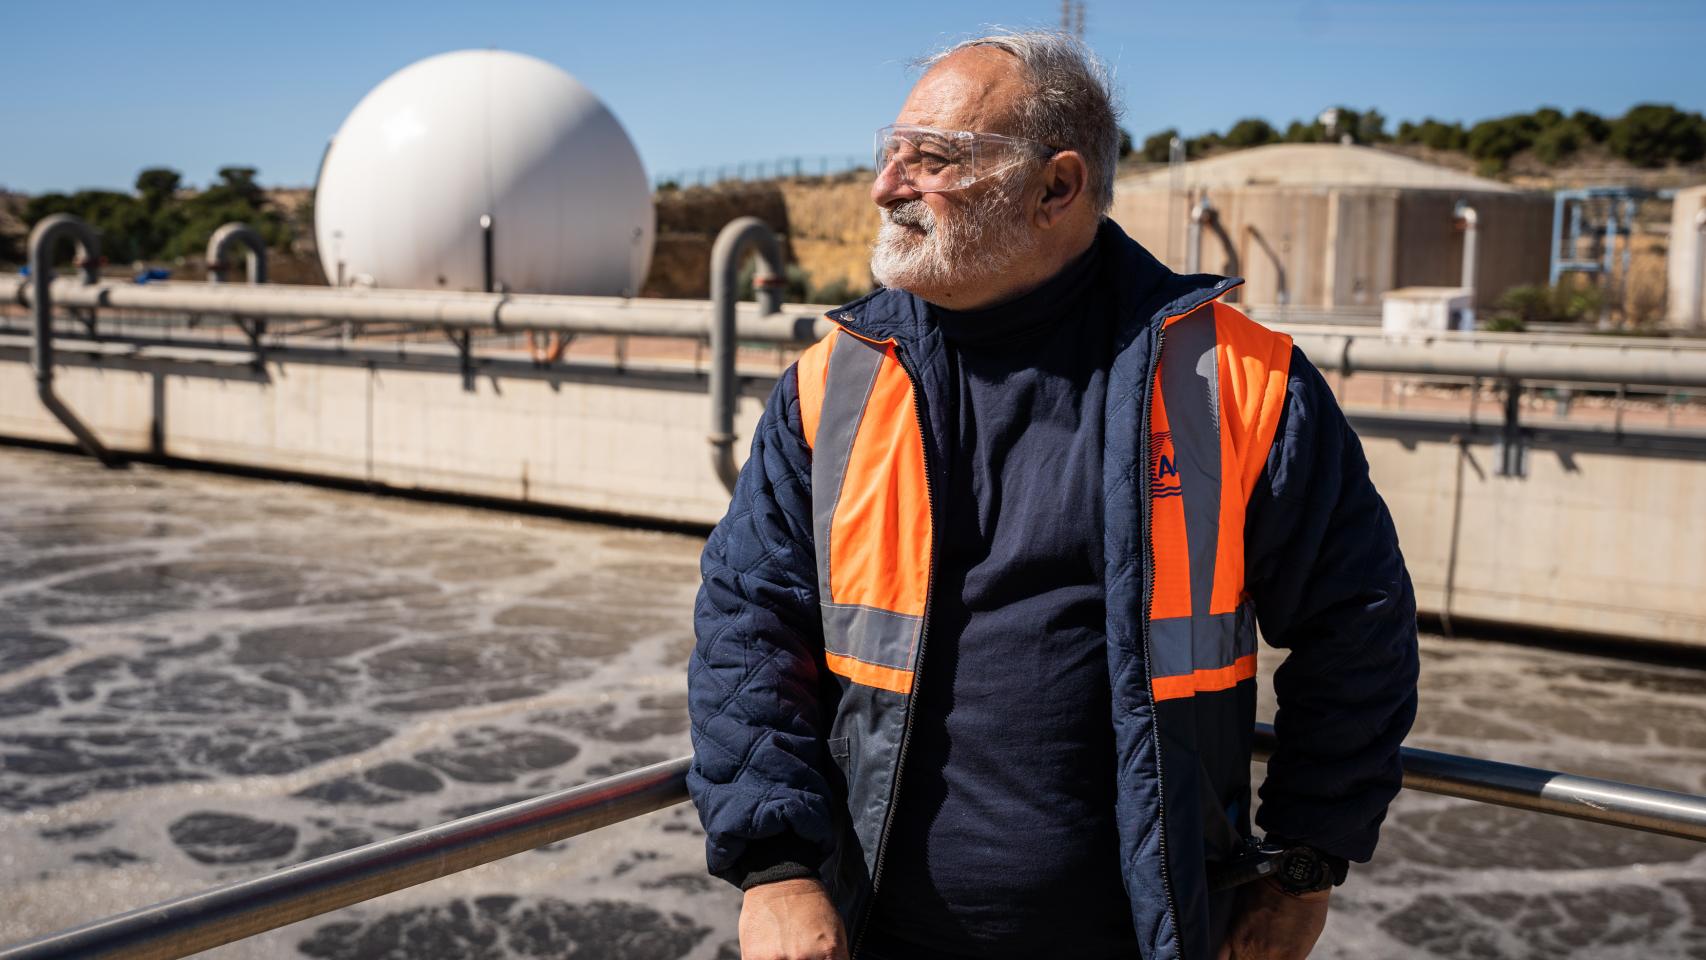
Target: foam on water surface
[[203, 679]]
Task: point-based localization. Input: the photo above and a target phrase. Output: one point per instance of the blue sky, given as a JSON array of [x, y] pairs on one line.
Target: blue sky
[[95, 92]]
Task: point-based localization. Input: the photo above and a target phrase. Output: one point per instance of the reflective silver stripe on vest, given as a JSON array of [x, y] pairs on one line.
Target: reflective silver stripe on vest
[[880, 637], [1190, 387]]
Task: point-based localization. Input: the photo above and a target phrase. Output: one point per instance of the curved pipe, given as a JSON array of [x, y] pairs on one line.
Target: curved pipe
[[1471, 221], [219, 245], [1204, 214], [46, 236], [733, 243]]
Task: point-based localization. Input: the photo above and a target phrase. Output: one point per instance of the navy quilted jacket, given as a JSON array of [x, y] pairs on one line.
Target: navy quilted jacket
[[1324, 576]]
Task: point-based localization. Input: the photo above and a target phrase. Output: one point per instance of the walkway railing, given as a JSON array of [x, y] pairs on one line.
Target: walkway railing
[[1509, 361], [188, 925]]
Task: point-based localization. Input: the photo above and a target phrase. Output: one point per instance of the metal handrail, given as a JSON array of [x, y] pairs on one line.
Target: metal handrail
[[202, 921], [1607, 361], [188, 925]]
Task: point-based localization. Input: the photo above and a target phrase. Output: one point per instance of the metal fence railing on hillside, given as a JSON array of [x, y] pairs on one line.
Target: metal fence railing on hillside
[[822, 165]]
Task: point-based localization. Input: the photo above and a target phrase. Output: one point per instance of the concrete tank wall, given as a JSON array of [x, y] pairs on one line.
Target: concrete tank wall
[[1345, 246], [1590, 541], [605, 446]]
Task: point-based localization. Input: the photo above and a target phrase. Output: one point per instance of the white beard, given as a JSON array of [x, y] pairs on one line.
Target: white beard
[[984, 241]]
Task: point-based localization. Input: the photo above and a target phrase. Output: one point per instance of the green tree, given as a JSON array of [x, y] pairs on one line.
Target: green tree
[[157, 223], [1158, 147], [1300, 132], [1433, 134], [1653, 134], [1125, 143], [1370, 127], [1198, 147], [158, 186], [1592, 125], [119, 217], [1558, 143], [1494, 142], [1251, 132]]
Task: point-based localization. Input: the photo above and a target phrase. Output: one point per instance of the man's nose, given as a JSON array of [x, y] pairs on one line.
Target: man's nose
[[890, 187]]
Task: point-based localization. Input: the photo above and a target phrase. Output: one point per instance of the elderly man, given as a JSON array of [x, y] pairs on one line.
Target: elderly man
[[975, 673]]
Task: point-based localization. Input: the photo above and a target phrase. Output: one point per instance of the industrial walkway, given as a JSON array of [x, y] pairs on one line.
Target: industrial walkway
[[205, 678]]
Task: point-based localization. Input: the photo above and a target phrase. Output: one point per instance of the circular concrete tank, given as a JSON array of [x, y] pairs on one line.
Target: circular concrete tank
[[477, 137]]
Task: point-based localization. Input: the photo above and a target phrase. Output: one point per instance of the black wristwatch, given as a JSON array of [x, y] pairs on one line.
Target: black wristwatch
[[1304, 870]]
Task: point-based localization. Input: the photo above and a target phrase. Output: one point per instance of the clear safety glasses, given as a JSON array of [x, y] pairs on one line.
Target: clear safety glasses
[[937, 161]]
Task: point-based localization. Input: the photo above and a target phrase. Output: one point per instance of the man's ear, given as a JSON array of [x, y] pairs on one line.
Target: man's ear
[[1065, 178]]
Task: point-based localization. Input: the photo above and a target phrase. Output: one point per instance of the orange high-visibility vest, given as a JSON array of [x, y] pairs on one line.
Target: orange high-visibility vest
[[1214, 408]]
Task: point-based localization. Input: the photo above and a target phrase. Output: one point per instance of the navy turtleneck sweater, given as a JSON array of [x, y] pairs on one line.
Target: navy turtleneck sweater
[[1004, 842]]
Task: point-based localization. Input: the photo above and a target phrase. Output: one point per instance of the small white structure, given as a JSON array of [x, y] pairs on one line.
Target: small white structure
[[484, 166], [1426, 310], [1687, 265]]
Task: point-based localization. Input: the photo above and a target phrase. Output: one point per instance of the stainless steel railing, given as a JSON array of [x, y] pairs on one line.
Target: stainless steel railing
[[188, 925]]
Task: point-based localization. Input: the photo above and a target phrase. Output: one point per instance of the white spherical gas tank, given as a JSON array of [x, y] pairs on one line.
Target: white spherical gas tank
[[446, 143]]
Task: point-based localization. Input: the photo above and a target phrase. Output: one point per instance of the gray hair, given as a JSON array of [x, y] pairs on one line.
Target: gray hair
[[1072, 107]]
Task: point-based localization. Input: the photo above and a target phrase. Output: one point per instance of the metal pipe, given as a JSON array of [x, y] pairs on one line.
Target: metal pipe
[[1201, 211], [1646, 362], [439, 309], [1607, 279], [733, 242], [1505, 359], [201, 921], [1553, 267], [46, 236], [1699, 269], [219, 245], [1541, 791], [1471, 221], [187, 925], [488, 255], [1203, 215]]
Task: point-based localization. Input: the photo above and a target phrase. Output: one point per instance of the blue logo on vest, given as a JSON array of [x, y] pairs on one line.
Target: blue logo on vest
[[1163, 470]]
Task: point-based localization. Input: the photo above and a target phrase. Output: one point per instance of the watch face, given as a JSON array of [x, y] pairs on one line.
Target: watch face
[[1300, 870]]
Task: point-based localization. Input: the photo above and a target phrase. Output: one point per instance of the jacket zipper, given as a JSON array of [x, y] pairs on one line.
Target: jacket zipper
[[918, 664], [1144, 511]]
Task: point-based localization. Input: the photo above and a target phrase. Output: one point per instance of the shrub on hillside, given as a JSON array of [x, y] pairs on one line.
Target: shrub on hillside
[[1494, 142], [1652, 134], [1433, 134], [155, 223], [1157, 148], [1522, 306], [1592, 125], [1251, 132], [1558, 143]]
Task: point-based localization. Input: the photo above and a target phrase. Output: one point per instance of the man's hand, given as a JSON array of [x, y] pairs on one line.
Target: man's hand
[[1270, 924], [790, 920]]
